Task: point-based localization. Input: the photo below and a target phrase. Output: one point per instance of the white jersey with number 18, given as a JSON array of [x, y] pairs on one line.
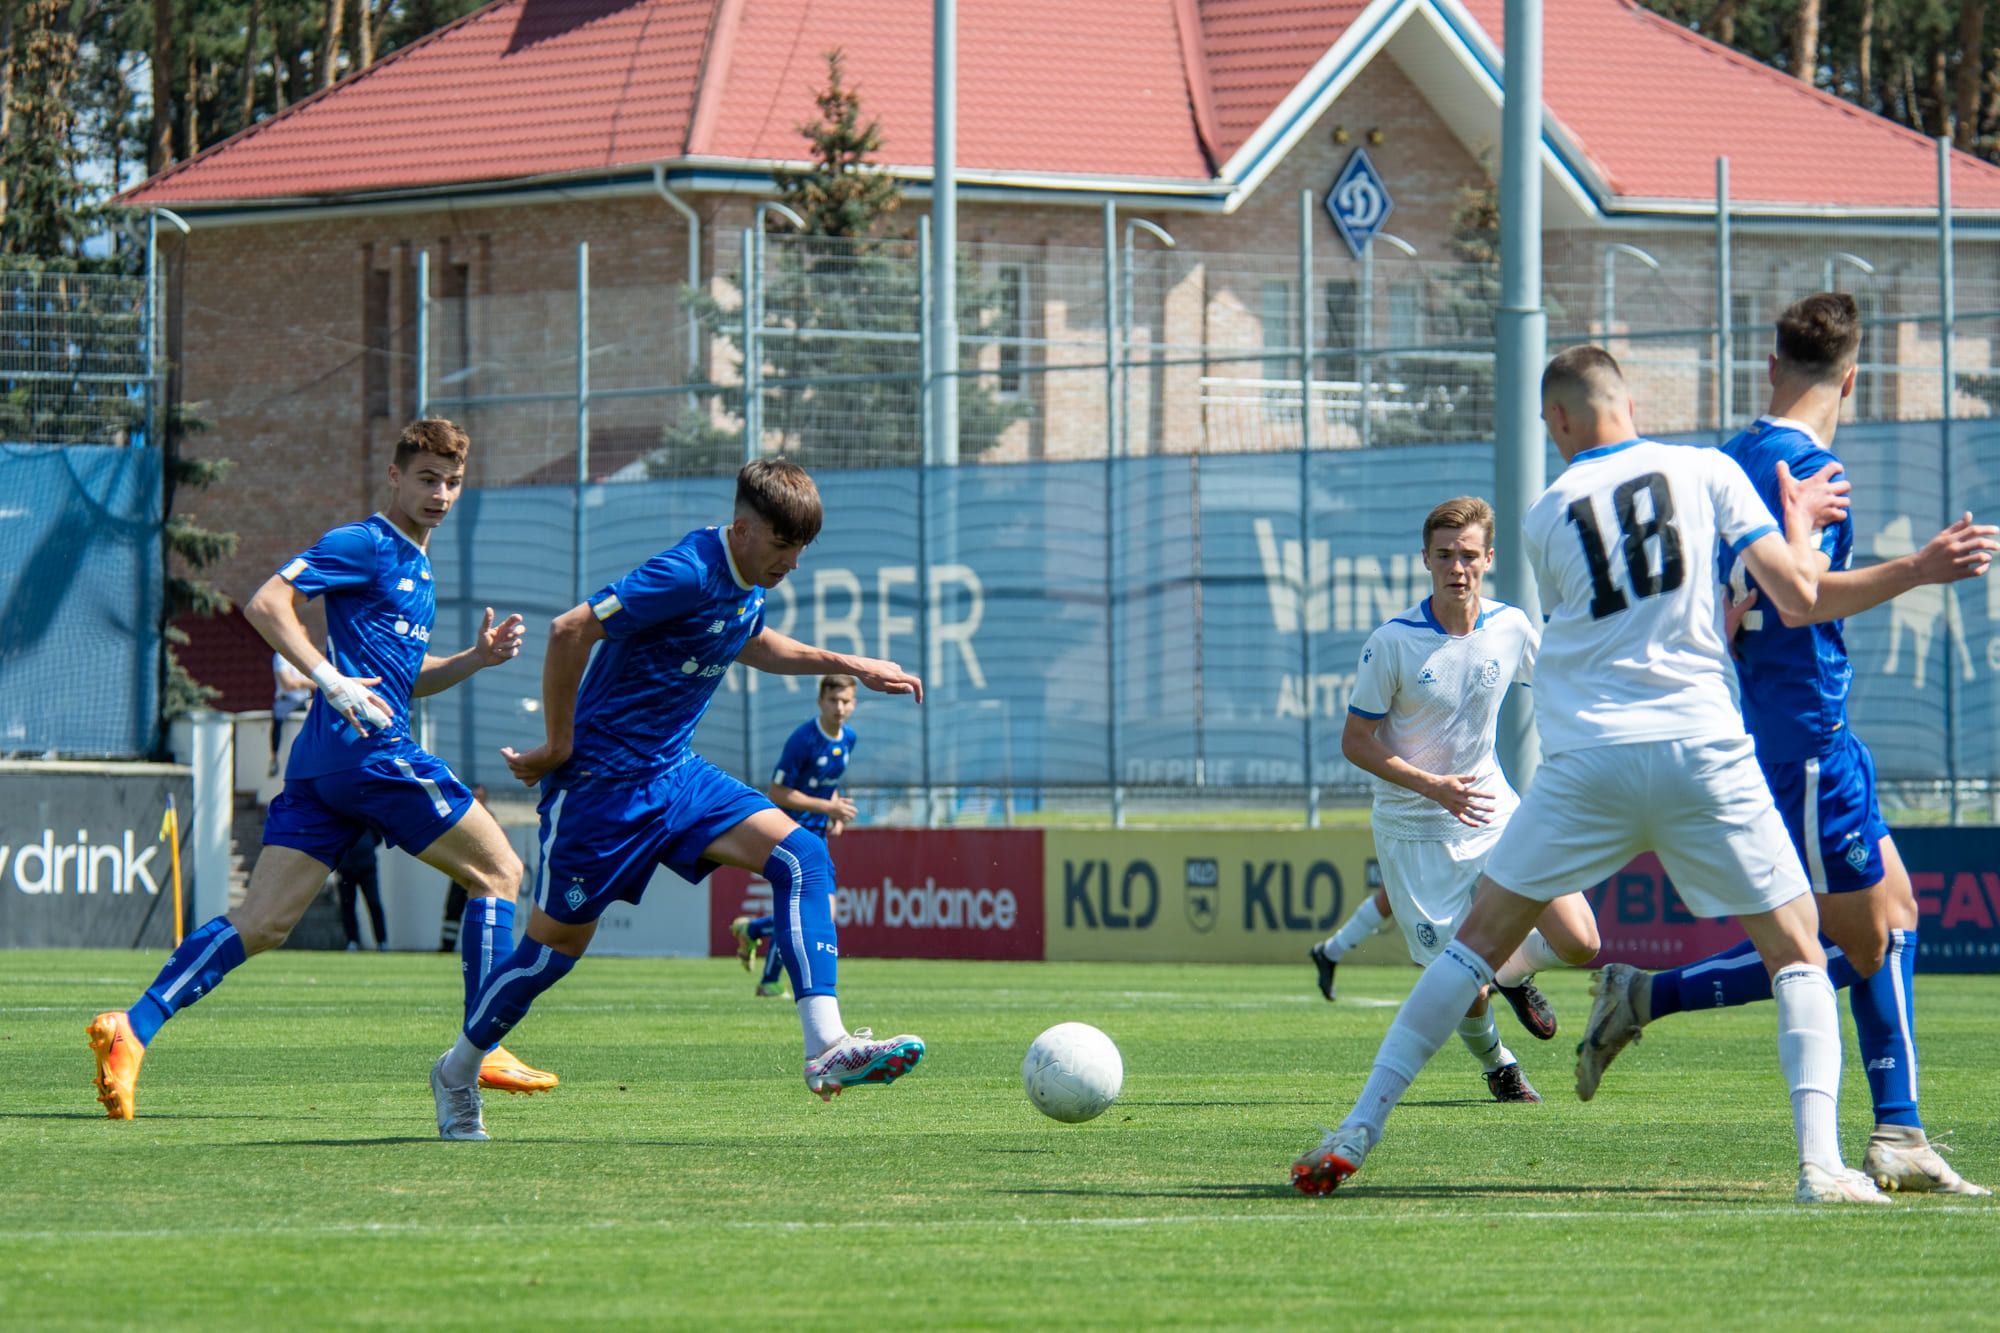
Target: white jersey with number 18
[[1623, 545]]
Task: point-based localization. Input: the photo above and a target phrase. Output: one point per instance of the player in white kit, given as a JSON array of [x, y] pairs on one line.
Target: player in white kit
[[1421, 721], [1644, 748]]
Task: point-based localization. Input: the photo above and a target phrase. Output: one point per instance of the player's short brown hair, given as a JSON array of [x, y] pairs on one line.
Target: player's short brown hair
[[1819, 337], [1583, 372], [432, 435], [829, 684], [781, 493], [1461, 511]]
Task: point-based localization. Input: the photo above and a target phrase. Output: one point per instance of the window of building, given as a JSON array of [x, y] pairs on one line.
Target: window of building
[[1012, 324], [1406, 313], [375, 341]]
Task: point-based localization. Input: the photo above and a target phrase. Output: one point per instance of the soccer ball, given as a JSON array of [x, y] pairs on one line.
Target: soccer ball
[[1072, 1072]]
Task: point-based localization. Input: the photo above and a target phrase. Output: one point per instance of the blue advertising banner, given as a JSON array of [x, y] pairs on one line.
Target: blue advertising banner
[[1166, 622]]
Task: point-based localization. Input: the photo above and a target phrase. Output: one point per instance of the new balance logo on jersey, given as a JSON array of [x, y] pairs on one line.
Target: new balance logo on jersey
[[406, 585], [717, 626], [1884, 1064]]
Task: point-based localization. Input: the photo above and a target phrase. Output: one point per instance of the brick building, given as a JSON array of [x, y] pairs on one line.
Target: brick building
[[499, 143]]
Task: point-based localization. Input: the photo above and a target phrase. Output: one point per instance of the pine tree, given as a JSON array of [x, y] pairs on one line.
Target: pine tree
[[191, 549], [38, 158]]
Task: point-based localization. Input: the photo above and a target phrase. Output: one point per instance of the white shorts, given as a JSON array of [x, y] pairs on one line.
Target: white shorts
[[1429, 882], [1702, 806]]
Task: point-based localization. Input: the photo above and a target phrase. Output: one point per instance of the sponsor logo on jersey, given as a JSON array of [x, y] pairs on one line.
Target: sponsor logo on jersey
[[689, 667], [1426, 677], [1887, 1062], [821, 761], [717, 626], [406, 585], [1367, 656]]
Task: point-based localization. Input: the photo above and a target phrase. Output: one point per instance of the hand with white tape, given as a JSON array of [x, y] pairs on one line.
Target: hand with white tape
[[352, 699]]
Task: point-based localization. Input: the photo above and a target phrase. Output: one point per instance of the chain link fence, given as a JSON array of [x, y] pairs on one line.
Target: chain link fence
[[1218, 455], [74, 363]]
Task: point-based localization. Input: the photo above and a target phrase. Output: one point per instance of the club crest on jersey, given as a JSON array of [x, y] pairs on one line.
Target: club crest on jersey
[[1427, 934], [575, 896], [1489, 673], [1857, 853]]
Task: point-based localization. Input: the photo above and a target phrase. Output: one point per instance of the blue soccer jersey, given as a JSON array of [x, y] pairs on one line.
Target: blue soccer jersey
[[812, 764], [672, 627], [380, 603], [1794, 678]]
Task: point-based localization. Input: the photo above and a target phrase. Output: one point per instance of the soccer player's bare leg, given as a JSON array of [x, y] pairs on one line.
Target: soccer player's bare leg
[[475, 852], [802, 889], [282, 885]]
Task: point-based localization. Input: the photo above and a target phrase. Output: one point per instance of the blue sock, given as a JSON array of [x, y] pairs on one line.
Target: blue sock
[[761, 927], [1885, 1025], [525, 973], [801, 875], [485, 937], [774, 963], [207, 955], [1734, 976]]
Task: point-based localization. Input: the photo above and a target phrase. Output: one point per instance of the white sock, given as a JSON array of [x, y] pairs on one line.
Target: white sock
[[1367, 919], [1534, 955], [1809, 1053], [1442, 995], [819, 1016], [461, 1062], [1481, 1036]]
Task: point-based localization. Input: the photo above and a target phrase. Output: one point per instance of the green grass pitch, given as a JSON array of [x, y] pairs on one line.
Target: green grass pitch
[[284, 1171]]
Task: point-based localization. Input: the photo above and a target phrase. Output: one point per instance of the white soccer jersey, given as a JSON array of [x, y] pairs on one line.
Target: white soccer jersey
[[1623, 545], [1439, 700]]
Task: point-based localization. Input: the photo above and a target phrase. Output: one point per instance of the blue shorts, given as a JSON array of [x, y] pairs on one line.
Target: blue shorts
[[1829, 807], [408, 796], [601, 839]]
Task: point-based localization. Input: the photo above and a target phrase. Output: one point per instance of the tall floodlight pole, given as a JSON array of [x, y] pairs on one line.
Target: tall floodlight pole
[[1520, 342], [944, 231]]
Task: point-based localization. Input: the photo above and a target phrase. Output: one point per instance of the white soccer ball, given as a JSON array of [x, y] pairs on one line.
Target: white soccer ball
[[1072, 1072]]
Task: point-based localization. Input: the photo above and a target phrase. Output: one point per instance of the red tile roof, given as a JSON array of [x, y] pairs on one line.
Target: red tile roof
[[1654, 105], [1145, 89]]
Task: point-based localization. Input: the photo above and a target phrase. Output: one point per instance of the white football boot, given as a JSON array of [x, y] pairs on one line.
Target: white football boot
[[859, 1058], [1339, 1155], [1901, 1159], [458, 1111], [1817, 1184], [1612, 1026]]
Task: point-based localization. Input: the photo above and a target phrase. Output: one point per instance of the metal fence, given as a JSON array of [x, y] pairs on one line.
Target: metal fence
[[1355, 407], [75, 363]]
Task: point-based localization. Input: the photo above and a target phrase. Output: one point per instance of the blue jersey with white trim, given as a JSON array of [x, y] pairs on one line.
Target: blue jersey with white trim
[[380, 604], [812, 764], [1794, 679], [671, 627]]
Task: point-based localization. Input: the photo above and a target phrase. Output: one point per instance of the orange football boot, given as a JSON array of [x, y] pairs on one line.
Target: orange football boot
[[118, 1055], [504, 1071]]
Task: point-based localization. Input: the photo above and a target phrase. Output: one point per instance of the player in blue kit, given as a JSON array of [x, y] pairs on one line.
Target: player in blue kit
[[1794, 676], [354, 766], [806, 786], [623, 792]]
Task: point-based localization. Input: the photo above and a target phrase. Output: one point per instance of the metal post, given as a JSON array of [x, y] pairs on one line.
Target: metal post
[[1725, 334], [753, 416], [579, 534], [1111, 427], [1307, 734], [926, 428], [1520, 340], [151, 326], [1947, 330], [1364, 362], [944, 223], [423, 366], [1125, 285]]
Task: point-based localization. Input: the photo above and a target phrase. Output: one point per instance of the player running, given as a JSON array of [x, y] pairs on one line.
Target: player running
[[622, 792], [1645, 750], [354, 765], [1422, 720], [1795, 674], [807, 786]]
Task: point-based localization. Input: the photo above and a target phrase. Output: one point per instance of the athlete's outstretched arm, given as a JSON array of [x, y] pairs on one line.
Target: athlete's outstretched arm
[[1963, 550], [1454, 791], [784, 656], [493, 645], [273, 611], [571, 637]]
